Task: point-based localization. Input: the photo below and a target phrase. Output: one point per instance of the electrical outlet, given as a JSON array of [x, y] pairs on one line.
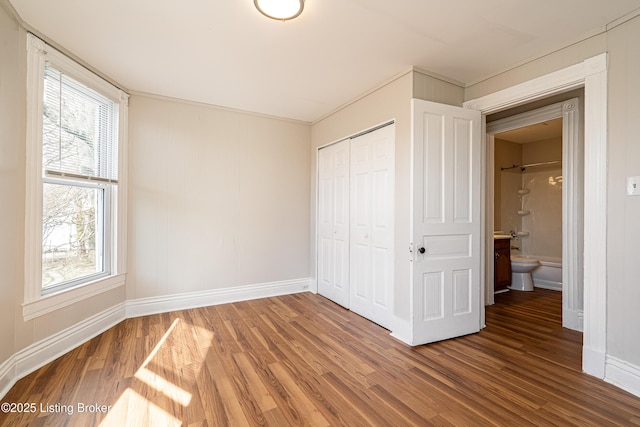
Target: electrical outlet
[[633, 186]]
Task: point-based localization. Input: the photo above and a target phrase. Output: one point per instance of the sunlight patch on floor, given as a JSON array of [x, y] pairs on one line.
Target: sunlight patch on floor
[[165, 387], [132, 409], [139, 404]]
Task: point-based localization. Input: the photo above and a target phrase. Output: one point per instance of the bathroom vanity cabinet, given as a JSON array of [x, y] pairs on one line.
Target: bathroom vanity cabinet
[[502, 264]]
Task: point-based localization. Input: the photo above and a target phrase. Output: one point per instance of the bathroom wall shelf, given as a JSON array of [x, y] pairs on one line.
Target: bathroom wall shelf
[[523, 213]]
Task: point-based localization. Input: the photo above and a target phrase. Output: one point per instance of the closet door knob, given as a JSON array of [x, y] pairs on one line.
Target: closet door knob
[[421, 249]]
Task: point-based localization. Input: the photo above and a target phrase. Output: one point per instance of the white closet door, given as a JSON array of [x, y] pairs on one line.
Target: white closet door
[[372, 225], [333, 222]]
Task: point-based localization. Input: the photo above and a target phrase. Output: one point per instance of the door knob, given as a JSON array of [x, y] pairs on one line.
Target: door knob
[[421, 249]]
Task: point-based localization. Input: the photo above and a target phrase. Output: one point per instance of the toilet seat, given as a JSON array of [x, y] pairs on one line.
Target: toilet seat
[[525, 262]]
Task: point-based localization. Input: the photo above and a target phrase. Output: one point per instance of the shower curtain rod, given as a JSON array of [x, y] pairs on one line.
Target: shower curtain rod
[[523, 167]]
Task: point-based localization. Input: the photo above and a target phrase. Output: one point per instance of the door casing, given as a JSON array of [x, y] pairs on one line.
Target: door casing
[[592, 75]]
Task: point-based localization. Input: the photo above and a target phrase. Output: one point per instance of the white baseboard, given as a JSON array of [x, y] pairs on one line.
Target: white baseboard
[[593, 362], [313, 286], [39, 354], [623, 374], [163, 304], [400, 329], [573, 319], [8, 376]]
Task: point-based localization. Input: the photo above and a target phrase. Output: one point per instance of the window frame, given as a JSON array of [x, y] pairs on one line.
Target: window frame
[[37, 302]]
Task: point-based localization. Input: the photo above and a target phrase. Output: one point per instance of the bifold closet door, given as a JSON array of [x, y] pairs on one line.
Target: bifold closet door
[[333, 222], [372, 225], [356, 223]]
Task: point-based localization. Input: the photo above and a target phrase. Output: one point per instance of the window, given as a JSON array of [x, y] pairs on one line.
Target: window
[[79, 162], [76, 142]]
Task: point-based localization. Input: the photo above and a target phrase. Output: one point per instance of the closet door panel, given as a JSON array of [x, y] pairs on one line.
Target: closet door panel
[[372, 222], [383, 169], [333, 222]]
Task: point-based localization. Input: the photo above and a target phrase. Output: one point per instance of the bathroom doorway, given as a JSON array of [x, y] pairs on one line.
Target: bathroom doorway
[[591, 75], [535, 172]]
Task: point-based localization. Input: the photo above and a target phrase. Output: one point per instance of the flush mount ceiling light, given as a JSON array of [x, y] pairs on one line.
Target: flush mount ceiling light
[[282, 10]]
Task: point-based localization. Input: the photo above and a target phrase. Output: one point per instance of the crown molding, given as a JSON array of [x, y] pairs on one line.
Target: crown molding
[[215, 107], [440, 77]]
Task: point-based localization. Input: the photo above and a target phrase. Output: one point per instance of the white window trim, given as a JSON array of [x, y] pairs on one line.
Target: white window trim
[[35, 304]]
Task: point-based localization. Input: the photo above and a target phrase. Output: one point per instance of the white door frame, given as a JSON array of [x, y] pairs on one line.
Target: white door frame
[[572, 266], [592, 75]]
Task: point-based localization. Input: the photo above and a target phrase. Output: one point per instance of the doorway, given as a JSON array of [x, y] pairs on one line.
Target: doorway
[[536, 168], [592, 75]]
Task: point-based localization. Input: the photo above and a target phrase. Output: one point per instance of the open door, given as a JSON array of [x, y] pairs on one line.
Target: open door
[[446, 215]]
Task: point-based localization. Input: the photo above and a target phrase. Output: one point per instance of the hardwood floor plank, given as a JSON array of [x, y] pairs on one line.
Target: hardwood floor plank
[[303, 360], [310, 415], [361, 401], [396, 402], [258, 390], [211, 399]]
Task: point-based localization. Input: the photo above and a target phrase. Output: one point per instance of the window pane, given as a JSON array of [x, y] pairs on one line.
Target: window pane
[[72, 236], [78, 128]]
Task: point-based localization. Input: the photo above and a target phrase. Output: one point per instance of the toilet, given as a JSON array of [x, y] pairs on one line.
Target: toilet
[[521, 269]]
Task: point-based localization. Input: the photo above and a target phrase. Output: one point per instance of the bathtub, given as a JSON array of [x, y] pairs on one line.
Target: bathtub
[[549, 274]]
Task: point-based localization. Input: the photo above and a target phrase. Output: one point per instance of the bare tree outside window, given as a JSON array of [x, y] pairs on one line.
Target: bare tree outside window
[[68, 233]]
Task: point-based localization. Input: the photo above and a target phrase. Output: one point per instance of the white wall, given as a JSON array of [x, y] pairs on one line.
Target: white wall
[[623, 238], [623, 230], [11, 180], [536, 68], [217, 198], [391, 101]]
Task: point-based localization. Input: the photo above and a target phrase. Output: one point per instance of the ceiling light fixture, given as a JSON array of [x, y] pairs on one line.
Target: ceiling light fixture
[[282, 10]]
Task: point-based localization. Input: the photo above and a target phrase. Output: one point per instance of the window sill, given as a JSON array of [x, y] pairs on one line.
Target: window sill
[[56, 301]]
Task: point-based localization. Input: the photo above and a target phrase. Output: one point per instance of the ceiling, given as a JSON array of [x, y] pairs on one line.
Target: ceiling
[[534, 133], [225, 53]]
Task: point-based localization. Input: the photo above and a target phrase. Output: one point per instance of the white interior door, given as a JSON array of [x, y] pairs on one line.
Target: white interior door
[[333, 222], [372, 225], [446, 210]]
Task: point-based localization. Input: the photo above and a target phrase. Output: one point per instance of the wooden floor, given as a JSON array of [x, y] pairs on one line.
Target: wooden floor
[[302, 360]]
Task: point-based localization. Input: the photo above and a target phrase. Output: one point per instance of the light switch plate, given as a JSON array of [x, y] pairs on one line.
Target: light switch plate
[[633, 186]]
